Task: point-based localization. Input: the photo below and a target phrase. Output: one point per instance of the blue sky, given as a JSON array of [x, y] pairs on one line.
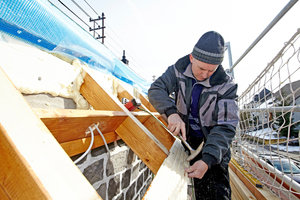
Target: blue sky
[[156, 33]]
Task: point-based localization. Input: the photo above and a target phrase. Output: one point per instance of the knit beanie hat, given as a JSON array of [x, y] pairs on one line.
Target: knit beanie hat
[[209, 48]]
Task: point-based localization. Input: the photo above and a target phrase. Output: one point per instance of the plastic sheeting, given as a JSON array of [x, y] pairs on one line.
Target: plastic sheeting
[[40, 23]]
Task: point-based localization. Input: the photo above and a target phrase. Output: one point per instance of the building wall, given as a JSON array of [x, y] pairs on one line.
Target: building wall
[[119, 175], [296, 115]]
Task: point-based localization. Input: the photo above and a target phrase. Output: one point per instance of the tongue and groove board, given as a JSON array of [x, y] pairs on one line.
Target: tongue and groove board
[[171, 181], [32, 163]]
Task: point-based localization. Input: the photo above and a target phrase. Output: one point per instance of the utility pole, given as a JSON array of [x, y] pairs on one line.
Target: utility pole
[[99, 27]]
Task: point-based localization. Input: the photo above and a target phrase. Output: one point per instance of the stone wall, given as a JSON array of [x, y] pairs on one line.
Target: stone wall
[[119, 175]]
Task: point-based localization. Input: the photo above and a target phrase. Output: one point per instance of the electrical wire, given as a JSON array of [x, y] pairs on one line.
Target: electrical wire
[[80, 8], [74, 2], [91, 7], [73, 13], [103, 140], [88, 150], [138, 62]]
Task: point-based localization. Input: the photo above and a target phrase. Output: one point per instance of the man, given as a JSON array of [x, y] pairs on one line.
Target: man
[[205, 109]]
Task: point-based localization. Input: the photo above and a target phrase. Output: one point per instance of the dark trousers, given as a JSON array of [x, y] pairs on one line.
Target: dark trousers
[[215, 183]]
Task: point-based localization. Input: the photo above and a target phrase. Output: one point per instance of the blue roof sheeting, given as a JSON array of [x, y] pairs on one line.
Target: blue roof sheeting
[[41, 24]]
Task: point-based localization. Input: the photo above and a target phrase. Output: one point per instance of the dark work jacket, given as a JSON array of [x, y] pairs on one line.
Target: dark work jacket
[[218, 110]]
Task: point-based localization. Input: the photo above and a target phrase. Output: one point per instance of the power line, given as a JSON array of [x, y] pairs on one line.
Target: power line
[[80, 8], [73, 13], [91, 7], [118, 38], [137, 66]]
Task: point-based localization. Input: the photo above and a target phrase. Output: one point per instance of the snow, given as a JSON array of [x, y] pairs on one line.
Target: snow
[[266, 133], [286, 148]]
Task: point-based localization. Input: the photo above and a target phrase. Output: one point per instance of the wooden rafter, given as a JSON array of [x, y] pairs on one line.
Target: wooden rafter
[[148, 148], [32, 163]]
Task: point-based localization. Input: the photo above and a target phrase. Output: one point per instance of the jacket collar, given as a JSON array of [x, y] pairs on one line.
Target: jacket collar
[[184, 66]]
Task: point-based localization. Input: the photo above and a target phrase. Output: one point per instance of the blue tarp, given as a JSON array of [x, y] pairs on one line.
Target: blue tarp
[[40, 23]]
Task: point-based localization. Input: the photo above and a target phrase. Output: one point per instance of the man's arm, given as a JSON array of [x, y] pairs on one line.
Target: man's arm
[[160, 90], [221, 134], [159, 97]]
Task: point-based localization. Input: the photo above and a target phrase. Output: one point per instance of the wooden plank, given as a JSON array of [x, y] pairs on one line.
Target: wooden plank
[[148, 148], [146, 103], [15, 175], [97, 96], [259, 193], [75, 147], [240, 189], [159, 132], [122, 92], [32, 163], [68, 125], [3, 195], [141, 144], [171, 180], [151, 124]]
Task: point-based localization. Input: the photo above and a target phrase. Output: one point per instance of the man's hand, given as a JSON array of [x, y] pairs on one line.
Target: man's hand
[[175, 125], [197, 170]]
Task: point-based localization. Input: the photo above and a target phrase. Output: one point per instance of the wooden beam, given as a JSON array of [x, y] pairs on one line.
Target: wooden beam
[[141, 144], [15, 176], [97, 96], [32, 163], [148, 148], [123, 93], [75, 147], [159, 131], [146, 103], [3, 195], [151, 124], [68, 125]]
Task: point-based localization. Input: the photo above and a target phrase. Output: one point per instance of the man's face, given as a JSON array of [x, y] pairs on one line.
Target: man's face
[[202, 70]]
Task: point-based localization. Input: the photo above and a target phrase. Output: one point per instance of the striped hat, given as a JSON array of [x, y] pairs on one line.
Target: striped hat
[[209, 48]]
